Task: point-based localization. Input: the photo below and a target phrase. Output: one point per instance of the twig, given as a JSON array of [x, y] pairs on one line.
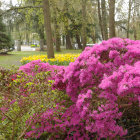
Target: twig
[[13, 134], [132, 135], [125, 105], [24, 131], [133, 126]]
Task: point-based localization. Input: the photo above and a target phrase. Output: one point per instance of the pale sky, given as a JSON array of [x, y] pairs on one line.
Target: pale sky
[[8, 1]]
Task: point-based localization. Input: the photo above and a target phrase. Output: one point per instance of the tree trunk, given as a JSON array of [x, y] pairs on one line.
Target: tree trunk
[[78, 41], [111, 18], [27, 38], [42, 37], [104, 21], [129, 15], [47, 23], [19, 45], [58, 43], [134, 21], [63, 40], [135, 34], [41, 44], [57, 34], [84, 37], [68, 42], [100, 18], [66, 26], [93, 38]]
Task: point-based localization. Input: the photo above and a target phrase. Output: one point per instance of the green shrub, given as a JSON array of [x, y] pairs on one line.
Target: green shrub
[[34, 45]]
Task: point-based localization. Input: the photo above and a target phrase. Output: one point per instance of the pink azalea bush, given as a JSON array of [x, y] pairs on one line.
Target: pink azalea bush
[[95, 97], [102, 83]]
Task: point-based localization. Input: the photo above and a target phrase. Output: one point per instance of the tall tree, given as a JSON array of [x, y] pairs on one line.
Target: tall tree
[[57, 36], [84, 37], [48, 30], [129, 16], [66, 24], [56, 27], [42, 37], [100, 17], [134, 22], [104, 20], [112, 18]]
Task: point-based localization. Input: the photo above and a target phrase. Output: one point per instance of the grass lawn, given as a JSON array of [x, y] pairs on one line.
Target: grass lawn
[[13, 58]]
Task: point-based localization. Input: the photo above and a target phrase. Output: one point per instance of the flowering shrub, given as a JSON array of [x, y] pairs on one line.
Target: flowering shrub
[[95, 97], [97, 83], [60, 59]]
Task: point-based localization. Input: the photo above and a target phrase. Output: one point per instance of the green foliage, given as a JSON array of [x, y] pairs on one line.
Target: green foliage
[[34, 46], [6, 43]]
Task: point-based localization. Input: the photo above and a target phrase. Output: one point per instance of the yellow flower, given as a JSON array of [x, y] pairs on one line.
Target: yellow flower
[[60, 59]]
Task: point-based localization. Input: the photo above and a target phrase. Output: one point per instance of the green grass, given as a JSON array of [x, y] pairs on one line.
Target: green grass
[[13, 58]]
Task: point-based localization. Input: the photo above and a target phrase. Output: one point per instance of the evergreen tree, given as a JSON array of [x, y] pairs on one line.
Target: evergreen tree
[[6, 43]]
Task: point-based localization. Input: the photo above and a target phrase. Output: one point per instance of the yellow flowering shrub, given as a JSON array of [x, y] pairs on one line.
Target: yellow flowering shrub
[[60, 59]]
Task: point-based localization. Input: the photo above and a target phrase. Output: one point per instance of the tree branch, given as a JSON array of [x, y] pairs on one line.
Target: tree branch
[[137, 5], [20, 7]]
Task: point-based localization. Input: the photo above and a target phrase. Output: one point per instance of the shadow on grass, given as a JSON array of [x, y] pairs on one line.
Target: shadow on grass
[[6, 54]]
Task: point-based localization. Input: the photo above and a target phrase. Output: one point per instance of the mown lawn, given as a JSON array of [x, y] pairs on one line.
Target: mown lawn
[[13, 58]]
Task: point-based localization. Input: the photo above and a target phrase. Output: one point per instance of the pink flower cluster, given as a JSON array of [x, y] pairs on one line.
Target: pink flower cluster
[[123, 82], [95, 82], [37, 66]]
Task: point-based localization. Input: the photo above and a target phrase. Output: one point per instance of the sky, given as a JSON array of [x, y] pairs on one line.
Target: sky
[[8, 1]]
